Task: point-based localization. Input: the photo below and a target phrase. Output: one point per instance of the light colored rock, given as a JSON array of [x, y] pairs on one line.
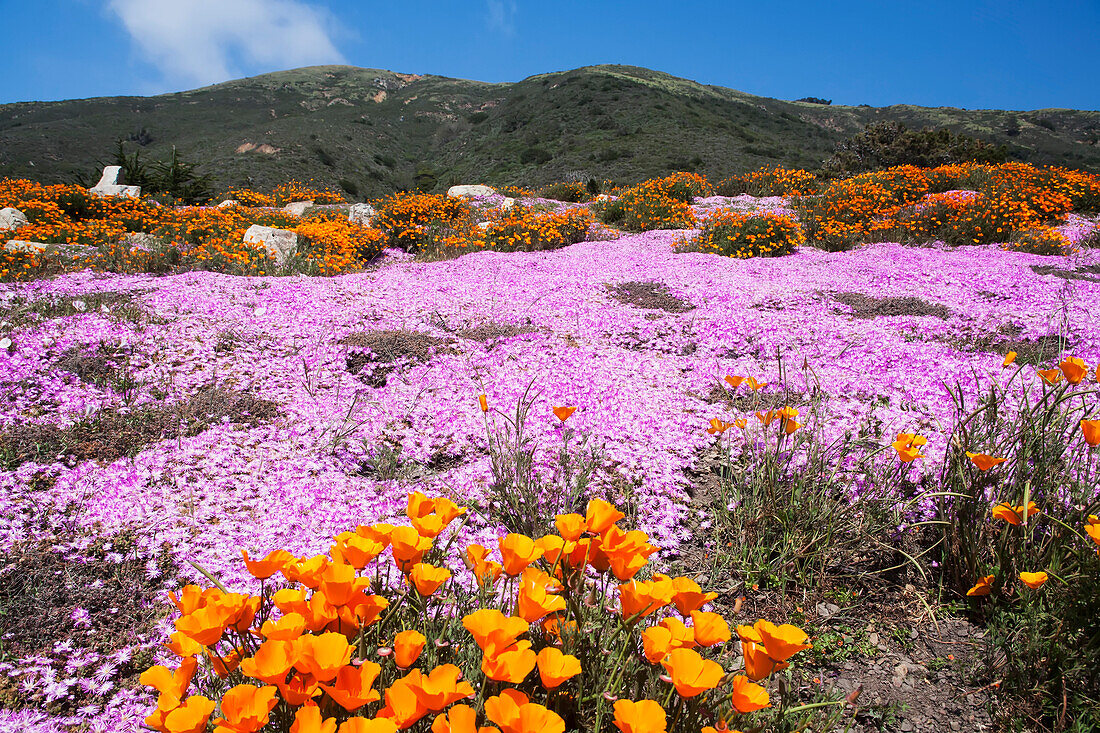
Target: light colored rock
[[280, 243], [70, 251], [603, 197], [12, 218], [466, 192], [361, 214], [484, 224], [110, 184], [297, 208], [507, 204], [228, 203], [142, 241], [22, 245]]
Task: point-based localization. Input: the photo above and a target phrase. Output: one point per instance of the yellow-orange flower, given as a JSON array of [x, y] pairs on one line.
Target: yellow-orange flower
[[570, 526], [511, 665], [734, 380], [710, 628], [748, 696], [534, 598], [517, 552], [427, 578], [459, 719], [641, 598], [555, 667], [1034, 580], [908, 446], [1093, 531], [690, 673], [644, 716], [689, 596], [601, 515], [1090, 429], [272, 660], [781, 642], [563, 413], [323, 655], [354, 686], [1014, 514], [1074, 369], [308, 720], [1010, 357], [983, 587], [1050, 376], [526, 717], [984, 462], [246, 708], [365, 725], [483, 403], [272, 563], [408, 547], [407, 646], [190, 717]]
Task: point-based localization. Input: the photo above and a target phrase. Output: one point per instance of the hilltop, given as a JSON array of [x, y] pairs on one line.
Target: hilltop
[[370, 131]]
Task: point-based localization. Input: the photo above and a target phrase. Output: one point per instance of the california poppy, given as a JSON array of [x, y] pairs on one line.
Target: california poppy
[[601, 515], [517, 551], [563, 413], [483, 403], [570, 526], [355, 550], [690, 673], [407, 646], [1009, 358], [308, 720], [644, 716], [627, 552], [717, 426], [1014, 514], [427, 578], [459, 719], [323, 655], [403, 706], [1091, 430], [1033, 580], [908, 446], [641, 598], [747, 696], [511, 665], [734, 380], [1050, 376], [1093, 530], [710, 628], [272, 660], [441, 687], [984, 462], [492, 630], [354, 686], [246, 707], [983, 587], [190, 717], [368, 725], [527, 718], [781, 642], [1074, 369], [534, 598], [754, 385], [555, 667], [272, 563], [408, 547], [689, 596]]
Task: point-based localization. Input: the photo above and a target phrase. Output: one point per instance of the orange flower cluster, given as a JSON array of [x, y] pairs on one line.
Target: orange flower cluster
[[648, 206], [1041, 241], [407, 218], [337, 245], [298, 191], [296, 656], [748, 235], [770, 181], [521, 229]]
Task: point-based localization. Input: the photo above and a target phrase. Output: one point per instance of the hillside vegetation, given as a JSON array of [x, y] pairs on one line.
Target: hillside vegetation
[[371, 131]]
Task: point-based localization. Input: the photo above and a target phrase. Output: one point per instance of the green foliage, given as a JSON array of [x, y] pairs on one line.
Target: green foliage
[[573, 192], [888, 144], [173, 178]]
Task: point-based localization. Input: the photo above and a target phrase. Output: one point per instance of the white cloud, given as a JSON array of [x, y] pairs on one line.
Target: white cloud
[[502, 16], [206, 41]]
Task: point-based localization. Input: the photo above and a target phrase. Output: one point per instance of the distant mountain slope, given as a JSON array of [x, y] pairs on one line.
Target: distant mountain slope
[[371, 131]]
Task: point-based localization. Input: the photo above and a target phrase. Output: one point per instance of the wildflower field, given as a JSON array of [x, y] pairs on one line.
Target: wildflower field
[[766, 454]]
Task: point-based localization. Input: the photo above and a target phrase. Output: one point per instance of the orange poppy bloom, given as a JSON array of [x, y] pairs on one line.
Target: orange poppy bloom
[[534, 598], [627, 552], [291, 600], [908, 446], [483, 403], [754, 385], [407, 646], [563, 413], [308, 720], [355, 550], [983, 587], [734, 380], [485, 571], [690, 673], [1014, 514], [555, 667], [644, 716], [403, 706], [689, 596], [182, 645], [517, 551], [192, 598], [747, 696], [552, 547], [364, 725], [427, 578], [273, 563], [300, 690], [323, 655], [1009, 358], [658, 641], [205, 625], [339, 582], [781, 642], [767, 418], [710, 628], [307, 572], [511, 665], [408, 547], [984, 462], [287, 628], [459, 719], [717, 426], [492, 630], [527, 717], [601, 515], [1091, 430], [246, 708], [271, 662], [431, 516], [379, 532], [440, 688], [1093, 531], [758, 664], [190, 717], [354, 686], [641, 598], [1034, 580], [1074, 369], [171, 684], [570, 526], [1050, 376]]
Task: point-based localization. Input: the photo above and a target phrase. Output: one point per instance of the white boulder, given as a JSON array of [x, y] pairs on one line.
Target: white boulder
[[280, 243], [22, 245], [12, 218], [71, 251], [466, 192], [228, 203], [507, 204], [297, 208], [361, 214], [110, 184]]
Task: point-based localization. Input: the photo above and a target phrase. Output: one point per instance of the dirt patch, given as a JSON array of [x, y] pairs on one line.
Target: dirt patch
[[117, 306], [649, 295], [115, 432], [866, 306], [96, 367], [80, 608], [493, 332], [378, 353], [1090, 273], [1040, 351]]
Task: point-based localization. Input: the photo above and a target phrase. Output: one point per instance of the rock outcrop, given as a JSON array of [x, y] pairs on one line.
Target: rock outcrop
[[12, 219], [110, 184], [280, 243], [361, 214], [466, 192]]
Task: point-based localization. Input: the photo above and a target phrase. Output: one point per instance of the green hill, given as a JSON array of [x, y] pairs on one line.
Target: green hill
[[371, 131]]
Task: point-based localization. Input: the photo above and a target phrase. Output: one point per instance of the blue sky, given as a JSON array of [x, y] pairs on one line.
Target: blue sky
[[1004, 54]]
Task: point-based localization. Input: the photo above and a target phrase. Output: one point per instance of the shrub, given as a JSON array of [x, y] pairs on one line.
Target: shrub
[[748, 235], [1042, 241], [297, 191], [887, 144], [519, 229], [573, 192], [646, 207], [774, 181], [331, 247], [844, 213], [684, 187], [408, 219]]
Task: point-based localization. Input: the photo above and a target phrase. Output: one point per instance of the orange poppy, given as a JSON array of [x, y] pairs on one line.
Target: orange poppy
[[379, 532], [758, 664], [563, 413], [271, 662], [767, 418], [552, 547], [403, 706], [754, 385], [641, 598], [690, 673], [781, 642], [1050, 376], [307, 572], [354, 686], [182, 645], [308, 720], [517, 552], [627, 552], [339, 582], [734, 380], [1034, 580], [459, 719], [984, 462], [717, 426], [983, 587], [689, 596], [287, 628], [1074, 369], [1009, 358], [323, 655], [300, 690], [364, 725], [644, 716], [710, 628], [427, 578], [511, 665], [246, 707], [570, 526], [534, 598], [440, 688], [522, 718], [204, 625], [408, 547], [555, 667], [431, 516], [601, 515], [492, 630], [407, 646], [1091, 430], [355, 550], [1014, 514], [1093, 531], [658, 641], [908, 446], [747, 696], [171, 684], [483, 402], [272, 563], [190, 717]]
